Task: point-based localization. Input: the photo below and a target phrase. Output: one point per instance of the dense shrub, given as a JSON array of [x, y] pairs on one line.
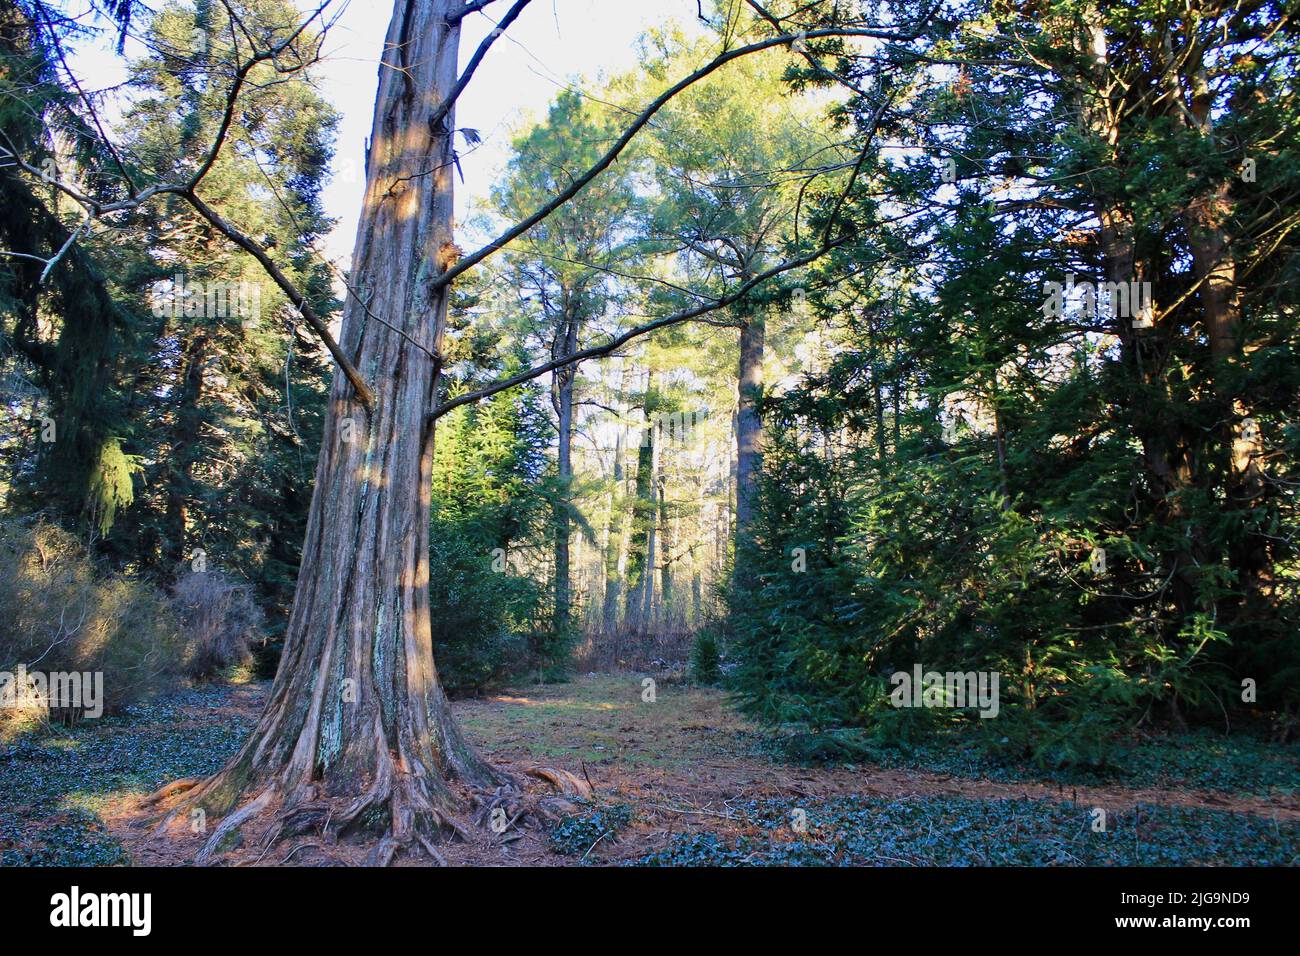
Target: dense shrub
[[58, 614], [706, 666], [481, 618], [490, 620], [219, 620], [855, 571]]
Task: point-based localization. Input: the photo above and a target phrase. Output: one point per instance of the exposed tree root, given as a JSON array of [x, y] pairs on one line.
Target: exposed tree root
[[508, 805], [231, 824], [169, 790], [414, 812], [568, 784]]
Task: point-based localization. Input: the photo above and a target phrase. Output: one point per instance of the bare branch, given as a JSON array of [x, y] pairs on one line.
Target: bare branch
[[72, 237], [10, 152], [696, 313], [812, 61], [232, 95], [445, 106], [857, 167], [186, 191], [644, 117], [474, 6], [618, 341], [53, 261], [364, 392]]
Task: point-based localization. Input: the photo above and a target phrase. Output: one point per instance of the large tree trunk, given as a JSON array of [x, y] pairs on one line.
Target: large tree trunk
[[357, 733], [1169, 455]]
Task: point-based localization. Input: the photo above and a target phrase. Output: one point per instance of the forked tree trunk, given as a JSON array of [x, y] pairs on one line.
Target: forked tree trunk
[[357, 733]]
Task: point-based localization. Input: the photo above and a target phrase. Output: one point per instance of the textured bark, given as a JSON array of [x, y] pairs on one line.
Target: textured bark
[[1170, 457], [1212, 260], [1216, 270], [357, 733]]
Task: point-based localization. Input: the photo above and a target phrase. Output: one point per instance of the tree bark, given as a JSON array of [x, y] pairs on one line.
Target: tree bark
[[1164, 450], [357, 733]]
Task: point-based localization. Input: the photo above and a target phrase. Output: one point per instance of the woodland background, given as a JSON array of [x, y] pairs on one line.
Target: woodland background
[[896, 454]]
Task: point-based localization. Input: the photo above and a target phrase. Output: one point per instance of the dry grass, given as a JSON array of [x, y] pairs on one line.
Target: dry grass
[[601, 720]]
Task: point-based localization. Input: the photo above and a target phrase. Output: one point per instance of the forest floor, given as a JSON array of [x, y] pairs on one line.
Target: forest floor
[[684, 780]]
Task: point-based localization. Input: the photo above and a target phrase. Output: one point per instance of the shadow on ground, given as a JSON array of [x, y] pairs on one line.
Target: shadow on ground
[[680, 779]]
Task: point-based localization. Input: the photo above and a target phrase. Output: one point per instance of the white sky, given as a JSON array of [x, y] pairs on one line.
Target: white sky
[[553, 42]]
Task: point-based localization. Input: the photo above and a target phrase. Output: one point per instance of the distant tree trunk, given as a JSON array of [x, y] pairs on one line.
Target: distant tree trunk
[[652, 548], [184, 447], [748, 424], [562, 398], [639, 555], [614, 537], [1215, 267], [665, 539], [357, 733]]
